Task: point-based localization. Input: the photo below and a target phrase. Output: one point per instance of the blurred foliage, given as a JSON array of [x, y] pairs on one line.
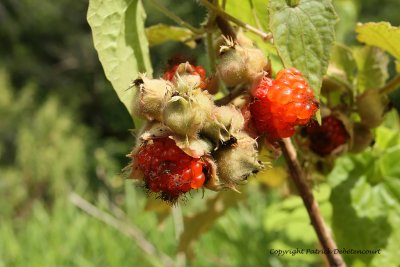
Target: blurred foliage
[[48, 46], [370, 182], [63, 129]]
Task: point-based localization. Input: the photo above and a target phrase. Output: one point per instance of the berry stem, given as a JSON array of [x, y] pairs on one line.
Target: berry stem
[[174, 17], [210, 29], [225, 28], [341, 82], [223, 14], [210, 51], [322, 231], [229, 97], [391, 85], [223, 4]]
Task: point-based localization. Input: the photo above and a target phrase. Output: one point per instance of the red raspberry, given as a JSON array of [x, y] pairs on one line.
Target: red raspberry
[[279, 105], [195, 70], [327, 137], [168, 170]]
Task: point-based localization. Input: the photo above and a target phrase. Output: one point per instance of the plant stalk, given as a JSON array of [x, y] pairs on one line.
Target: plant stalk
[[174, 17], [223, 14], [391, 85], [229, 97], [225, 28], [317, 221]]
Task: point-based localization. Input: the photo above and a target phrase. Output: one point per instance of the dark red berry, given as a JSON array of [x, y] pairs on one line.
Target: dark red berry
[[168, 170], [281, 104], [328, 136]]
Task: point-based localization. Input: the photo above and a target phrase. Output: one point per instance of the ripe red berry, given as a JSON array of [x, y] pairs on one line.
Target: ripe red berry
[[328, 136], [168, 170], [192, 70], [281, 104]]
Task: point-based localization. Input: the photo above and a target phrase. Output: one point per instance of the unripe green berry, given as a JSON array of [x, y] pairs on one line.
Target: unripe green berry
[[151, 97], [240, 64], [362, 138], [187, 115], [371, 107], [255, 63], [237, 162], [226, 121], [231, 68]]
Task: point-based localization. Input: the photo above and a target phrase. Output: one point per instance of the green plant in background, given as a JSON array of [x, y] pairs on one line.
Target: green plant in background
[[302, 34], [75, 138]]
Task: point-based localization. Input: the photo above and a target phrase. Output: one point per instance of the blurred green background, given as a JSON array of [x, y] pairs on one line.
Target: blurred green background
[[63, 130]]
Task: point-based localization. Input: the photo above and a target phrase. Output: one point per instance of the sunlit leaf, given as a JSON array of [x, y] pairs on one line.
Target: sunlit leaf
[[252, 12], [289, 222], [303, 36], [255, 13], [160, 33], [120, 40], [382, 35]]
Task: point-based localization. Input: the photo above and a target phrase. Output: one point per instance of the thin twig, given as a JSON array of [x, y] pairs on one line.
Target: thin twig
[[211, 52], [124, 227], [391, 85], [174, 17], [323, 233], [220, 12], [223, 4], [229, 97]]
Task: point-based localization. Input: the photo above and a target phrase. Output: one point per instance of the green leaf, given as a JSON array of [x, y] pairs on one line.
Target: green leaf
[[372, 64], [353, 230], [160, 33], [382, 35], [253, 12], [390, 256], [366, 199], [120, 40], [290, 217], [303, 36]]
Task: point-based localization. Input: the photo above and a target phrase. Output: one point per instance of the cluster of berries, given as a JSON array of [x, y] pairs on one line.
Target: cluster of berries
[[188, 142]]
